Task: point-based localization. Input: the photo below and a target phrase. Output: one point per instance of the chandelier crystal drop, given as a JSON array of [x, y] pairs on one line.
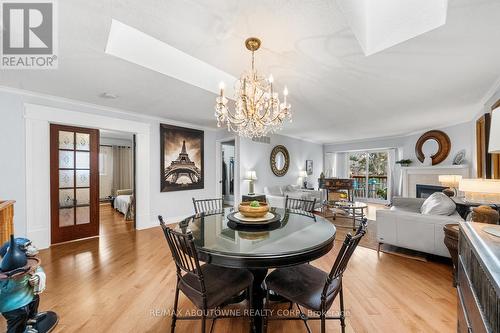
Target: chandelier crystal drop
[[258, 110]]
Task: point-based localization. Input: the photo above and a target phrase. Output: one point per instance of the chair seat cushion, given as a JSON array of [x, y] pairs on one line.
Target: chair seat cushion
[[221, 284], [302, 284]]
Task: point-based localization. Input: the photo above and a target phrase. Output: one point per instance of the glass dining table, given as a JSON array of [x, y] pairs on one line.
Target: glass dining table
[[298, 237]]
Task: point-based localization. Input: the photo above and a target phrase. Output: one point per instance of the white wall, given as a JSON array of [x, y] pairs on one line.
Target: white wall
[[461, 137], [172, 205], [256, 156]]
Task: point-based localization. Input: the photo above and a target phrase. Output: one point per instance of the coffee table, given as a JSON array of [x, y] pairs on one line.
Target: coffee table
[[354, 209]]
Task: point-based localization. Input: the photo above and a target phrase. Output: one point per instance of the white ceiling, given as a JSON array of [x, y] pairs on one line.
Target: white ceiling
[[336, 92]]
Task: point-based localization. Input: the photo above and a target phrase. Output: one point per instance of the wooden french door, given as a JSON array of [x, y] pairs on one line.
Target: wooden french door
[[74, 182]]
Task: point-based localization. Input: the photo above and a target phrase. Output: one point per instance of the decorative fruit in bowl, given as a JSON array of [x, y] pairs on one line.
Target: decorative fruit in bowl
[[253, 209]]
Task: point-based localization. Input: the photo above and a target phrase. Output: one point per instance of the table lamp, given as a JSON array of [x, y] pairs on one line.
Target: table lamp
[[251, 176], [494, 143], [482, 191], [451, 181], [303, 175]]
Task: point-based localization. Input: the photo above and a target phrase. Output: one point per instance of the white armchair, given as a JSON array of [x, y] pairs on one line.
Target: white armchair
[[274, 196], [404, 226]]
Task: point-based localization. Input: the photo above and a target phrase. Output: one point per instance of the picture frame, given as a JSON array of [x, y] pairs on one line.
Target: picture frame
[[309, 167], [181, 158]]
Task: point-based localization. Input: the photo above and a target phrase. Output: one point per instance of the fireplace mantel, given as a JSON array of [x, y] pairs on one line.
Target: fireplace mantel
[[428, 175]]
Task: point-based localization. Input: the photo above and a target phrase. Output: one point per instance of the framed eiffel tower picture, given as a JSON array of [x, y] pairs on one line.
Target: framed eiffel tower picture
[[181, 158]]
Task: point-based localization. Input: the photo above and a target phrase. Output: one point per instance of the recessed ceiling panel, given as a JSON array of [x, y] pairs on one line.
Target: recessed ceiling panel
[[133, 45], [381, 24]]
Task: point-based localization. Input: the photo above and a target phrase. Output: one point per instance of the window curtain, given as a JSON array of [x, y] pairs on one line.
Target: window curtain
[[395, 173], [122, 168]]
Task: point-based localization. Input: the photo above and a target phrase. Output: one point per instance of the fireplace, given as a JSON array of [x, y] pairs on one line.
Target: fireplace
[[424, 191]]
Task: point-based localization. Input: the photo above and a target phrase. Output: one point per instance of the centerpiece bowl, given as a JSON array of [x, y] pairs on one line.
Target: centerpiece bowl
[[250, 211]]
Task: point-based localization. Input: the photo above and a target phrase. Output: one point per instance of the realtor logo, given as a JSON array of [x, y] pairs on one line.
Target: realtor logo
[[28, 36]]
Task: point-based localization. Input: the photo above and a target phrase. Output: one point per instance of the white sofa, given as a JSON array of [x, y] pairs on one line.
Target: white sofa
[[404, 226], [276, 195]]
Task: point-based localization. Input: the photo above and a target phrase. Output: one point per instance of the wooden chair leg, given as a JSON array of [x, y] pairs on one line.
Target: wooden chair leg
[[378, 247], [266, 307], [174, 315], [250, 302], [323, 323], [203, 321], [342, 310]]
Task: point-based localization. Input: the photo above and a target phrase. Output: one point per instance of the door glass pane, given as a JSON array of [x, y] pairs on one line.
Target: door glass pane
[[66, 159], [377, 175], [66, 217], [82, 196], [82, 215], [82, 160], [82, 141], [82, 178], [357, 171], [66, 140], [66, 198], [66, 178]]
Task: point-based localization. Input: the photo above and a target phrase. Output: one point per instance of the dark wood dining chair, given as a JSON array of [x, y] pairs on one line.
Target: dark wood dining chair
[[207, 286], [313, 289], [301, 204], [206, 205]]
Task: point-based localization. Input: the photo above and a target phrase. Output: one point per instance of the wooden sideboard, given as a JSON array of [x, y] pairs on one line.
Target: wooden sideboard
[[6, 220], [334, 185], [478, 285]]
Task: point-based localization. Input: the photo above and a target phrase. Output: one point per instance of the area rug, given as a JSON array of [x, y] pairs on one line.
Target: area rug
[[344, 226]]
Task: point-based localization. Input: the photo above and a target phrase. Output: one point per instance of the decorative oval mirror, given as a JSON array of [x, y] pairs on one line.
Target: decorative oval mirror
[[435, 144], [280, 160]]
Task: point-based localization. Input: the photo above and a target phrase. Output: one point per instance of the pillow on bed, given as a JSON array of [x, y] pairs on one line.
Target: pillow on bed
[[438, 203]]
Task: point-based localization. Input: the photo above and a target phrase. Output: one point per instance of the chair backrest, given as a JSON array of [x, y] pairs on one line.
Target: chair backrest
[[183, 252], [301, 204], [345, 253], [206, 205]]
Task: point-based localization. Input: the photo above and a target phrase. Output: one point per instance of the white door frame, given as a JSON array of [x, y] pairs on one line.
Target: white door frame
[[389, 175], [37, 121], [218, 171]]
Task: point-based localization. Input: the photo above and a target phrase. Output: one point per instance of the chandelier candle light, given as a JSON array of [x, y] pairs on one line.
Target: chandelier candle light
[[258, 110]]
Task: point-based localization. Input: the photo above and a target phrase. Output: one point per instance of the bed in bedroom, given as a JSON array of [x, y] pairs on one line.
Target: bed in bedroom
[[124, 203]]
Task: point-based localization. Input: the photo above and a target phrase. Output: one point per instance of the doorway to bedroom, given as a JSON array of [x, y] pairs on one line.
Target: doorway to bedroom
[[228, 170], [116, 182]]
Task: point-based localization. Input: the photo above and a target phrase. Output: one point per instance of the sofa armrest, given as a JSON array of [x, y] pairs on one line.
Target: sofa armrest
[[383, 214], [413, 204], [276, 201]]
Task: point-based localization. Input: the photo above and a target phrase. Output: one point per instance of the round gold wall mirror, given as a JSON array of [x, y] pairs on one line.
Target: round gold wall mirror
[[280, 160], [436, 143]]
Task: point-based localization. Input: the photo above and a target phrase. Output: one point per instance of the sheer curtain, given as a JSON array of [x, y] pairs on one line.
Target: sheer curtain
[[395, 173], [122, 168]]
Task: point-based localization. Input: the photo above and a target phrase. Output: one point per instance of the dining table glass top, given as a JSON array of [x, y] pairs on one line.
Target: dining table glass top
[[296, 232]]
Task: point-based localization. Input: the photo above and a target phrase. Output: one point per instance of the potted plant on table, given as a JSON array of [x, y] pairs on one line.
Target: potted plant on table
[[404, 162]]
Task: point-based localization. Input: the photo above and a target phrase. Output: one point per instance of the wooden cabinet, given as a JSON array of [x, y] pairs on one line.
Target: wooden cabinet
[[478, 285], [6, 220]]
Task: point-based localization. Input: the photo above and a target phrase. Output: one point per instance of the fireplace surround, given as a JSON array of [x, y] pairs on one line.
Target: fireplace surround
[[424, 191]]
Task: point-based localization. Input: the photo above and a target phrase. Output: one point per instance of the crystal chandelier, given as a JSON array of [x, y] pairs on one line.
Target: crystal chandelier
[[257, 106]]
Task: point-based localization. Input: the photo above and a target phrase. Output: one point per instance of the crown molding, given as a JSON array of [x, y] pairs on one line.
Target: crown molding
[[97, 107]]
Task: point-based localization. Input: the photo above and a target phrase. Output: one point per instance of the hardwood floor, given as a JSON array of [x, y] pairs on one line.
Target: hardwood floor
[[116, 282]]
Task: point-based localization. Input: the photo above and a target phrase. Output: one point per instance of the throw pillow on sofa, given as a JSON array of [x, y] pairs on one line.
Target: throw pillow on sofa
[[438, 204]]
